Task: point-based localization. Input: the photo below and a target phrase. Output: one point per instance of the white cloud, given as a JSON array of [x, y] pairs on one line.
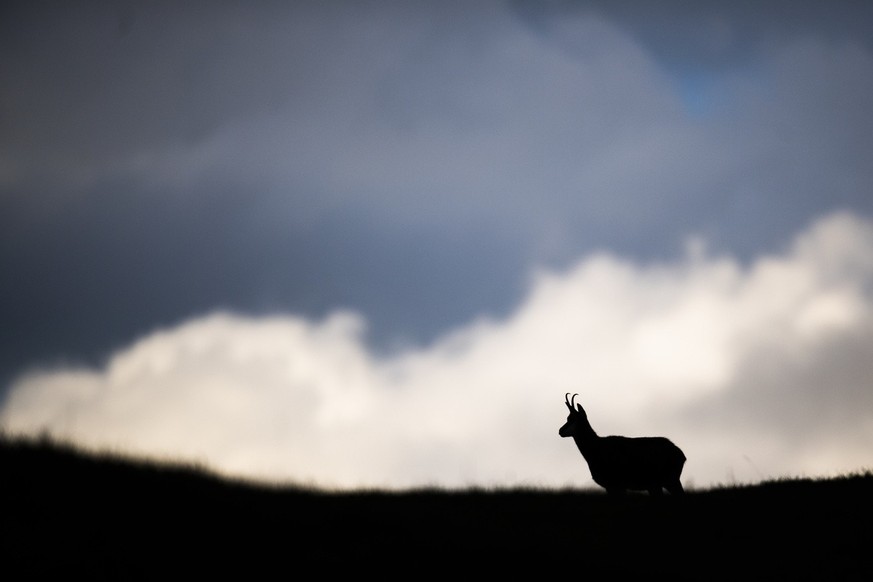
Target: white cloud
[[755, 371], [704, 350]]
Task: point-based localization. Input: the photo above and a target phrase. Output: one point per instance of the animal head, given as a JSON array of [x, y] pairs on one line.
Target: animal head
[[576, 420]]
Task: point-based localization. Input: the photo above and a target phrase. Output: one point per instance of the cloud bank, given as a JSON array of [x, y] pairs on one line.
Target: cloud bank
[[757, 370], [411, 161]]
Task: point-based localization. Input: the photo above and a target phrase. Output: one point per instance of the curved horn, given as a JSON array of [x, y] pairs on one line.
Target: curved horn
[[572, 400], [567, 401]]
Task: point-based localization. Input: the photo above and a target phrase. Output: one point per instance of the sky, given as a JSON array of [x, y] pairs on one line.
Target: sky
[[374, 244]]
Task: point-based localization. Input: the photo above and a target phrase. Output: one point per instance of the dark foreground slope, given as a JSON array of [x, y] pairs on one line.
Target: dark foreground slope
[[66, 514]]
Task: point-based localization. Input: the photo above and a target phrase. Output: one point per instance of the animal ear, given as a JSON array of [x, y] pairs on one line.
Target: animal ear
[[579, 408]]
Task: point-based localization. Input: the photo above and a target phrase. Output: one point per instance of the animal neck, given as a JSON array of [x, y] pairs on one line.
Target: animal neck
[[585, 437]]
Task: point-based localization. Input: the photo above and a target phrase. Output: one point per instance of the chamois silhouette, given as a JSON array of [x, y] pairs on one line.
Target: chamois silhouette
[[619, 463]]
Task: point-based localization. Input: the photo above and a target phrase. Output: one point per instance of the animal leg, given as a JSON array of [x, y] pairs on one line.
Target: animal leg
[[675, 488]]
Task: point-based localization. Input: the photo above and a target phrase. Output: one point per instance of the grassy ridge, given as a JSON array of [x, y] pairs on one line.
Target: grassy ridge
[[69, 513]]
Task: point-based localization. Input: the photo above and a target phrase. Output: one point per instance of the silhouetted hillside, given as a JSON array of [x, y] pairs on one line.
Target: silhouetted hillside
[[67, 513]]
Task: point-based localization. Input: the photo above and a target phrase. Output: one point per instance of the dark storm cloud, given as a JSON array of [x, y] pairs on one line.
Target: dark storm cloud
[[91, 83], [710, 34], [110, 227], [412, 161]]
